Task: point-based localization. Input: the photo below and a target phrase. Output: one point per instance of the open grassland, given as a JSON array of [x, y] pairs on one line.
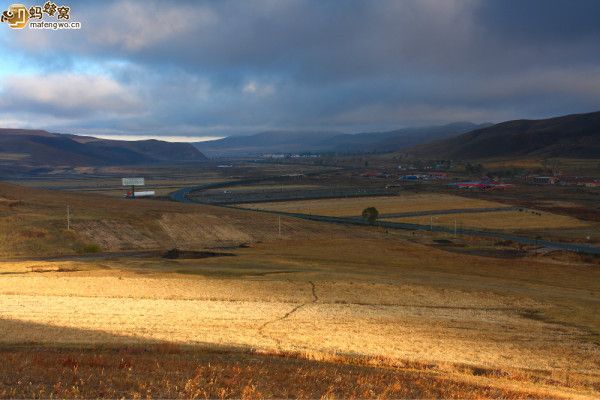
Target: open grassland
[[323, 311], [525, 321], [405, 202], [502, 220]]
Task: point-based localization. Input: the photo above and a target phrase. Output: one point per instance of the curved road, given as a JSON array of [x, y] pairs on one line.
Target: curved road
[[181, 196]]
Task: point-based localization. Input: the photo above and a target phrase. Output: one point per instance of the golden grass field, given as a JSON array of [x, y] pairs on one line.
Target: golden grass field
[[355, 312], [504, 220], [405, 202]]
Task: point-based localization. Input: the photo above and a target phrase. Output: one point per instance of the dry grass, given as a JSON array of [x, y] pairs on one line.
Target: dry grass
[[323, 291], [392, 204], [401, 300], [506, 220], [33, 222], [169, 372]]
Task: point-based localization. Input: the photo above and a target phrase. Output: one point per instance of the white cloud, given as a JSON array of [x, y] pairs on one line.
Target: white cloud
[[255, 88], [140, 25], [69, 95]]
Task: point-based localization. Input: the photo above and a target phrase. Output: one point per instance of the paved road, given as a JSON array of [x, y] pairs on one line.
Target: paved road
[[91, 256], [576, 247], [182, 196]]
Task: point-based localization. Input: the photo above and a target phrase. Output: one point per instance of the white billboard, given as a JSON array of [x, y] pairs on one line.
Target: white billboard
[[133, 181]]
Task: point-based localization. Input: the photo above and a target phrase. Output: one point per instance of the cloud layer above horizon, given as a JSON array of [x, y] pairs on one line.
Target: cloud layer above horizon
[[226, 67]]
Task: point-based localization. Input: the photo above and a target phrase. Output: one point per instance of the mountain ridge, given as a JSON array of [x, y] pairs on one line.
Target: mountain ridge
[[41, 147], [329, 141], [573, 135]]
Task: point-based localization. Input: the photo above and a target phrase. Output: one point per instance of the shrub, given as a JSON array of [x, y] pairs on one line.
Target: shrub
[[370, 214], [90, 248]]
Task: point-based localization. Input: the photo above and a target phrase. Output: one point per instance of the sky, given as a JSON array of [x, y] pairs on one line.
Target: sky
[[219, 68]]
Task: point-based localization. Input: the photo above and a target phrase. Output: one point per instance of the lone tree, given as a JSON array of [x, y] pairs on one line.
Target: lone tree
[[370, 214]]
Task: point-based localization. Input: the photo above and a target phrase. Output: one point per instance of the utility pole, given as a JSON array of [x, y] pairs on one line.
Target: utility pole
[[279, 221], [68, 218], [431, 223], [455, 227]]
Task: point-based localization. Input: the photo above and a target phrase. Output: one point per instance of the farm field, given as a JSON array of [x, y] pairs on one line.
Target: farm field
[[502, 220], [260, 188], [408, 202]]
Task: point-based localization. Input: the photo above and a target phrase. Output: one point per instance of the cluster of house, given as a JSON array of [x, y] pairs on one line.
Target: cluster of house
[[429, 176], [372, 174], [288, 155], [484, 184], [437, 165], [563, 180]]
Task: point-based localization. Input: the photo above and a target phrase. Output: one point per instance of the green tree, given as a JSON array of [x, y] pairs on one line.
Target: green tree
[[370, 214]]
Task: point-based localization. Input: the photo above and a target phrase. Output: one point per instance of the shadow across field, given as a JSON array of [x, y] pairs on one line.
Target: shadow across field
[[78, 368]]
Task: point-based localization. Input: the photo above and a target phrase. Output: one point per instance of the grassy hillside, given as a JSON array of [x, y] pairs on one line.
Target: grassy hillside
[[571, 136], [41, 147], [33, 222]]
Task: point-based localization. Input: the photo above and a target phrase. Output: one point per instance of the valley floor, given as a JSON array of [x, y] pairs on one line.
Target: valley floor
[[368, 303]]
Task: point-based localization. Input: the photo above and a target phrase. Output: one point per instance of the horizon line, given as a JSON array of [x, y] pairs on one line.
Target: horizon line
[[171, 138]]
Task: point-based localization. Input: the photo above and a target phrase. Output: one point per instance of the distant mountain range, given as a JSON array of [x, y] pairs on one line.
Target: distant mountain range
[[571, 136], [575, 136], [330, 142], [40, 147]]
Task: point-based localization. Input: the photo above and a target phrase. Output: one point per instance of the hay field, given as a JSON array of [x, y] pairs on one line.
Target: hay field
[[405, 202], [502, 220]]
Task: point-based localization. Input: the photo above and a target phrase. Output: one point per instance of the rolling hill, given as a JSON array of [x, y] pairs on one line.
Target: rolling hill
[[31, 224], [39, 147], [329, 142], [570, 136]]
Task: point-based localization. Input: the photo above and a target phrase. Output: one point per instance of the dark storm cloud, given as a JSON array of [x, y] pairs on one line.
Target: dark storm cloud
[[542, 20], [239, 66]]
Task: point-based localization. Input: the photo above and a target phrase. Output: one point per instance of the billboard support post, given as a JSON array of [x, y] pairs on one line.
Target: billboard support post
[[133, 182]]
